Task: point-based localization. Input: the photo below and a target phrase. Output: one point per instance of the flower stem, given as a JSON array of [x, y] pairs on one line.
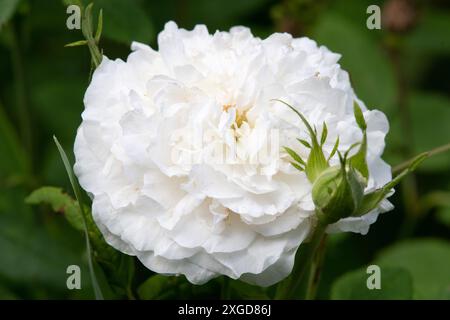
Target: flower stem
[[303, 263], [435, 151], [316, 269], [225, 292]]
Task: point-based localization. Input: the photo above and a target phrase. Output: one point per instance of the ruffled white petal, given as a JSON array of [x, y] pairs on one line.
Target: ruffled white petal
[[168, 199]]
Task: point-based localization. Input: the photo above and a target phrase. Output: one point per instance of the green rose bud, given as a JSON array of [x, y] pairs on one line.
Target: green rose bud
[[337, 193]]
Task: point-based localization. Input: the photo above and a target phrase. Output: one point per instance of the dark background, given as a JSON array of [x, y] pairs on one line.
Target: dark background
[[402, 69]]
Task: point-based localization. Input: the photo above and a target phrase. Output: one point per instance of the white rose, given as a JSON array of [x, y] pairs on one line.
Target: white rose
[[162, 197]]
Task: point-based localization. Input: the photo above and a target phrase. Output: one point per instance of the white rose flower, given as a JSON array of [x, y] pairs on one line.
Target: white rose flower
[[162, 197]]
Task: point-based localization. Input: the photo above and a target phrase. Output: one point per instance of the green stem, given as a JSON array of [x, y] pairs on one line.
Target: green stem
[[87, 30], [225, 290], [316, 270], [441, 149], [303, 264]]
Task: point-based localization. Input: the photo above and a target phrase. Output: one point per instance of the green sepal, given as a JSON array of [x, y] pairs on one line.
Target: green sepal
[[337, 192], [77, 43], [358, 160], [359, 116], [334, 150], [294, 156], [316, 162], [324, 136], [372, 200], [305, 143], [98, 31]]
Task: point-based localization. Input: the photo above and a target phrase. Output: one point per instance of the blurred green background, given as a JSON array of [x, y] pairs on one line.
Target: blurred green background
[[402, 69]]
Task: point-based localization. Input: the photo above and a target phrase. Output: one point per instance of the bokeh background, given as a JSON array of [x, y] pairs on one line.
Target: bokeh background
[[402, 69]]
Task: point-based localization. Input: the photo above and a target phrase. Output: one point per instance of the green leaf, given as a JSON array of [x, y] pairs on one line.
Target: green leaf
[[6, 294], [119, 272], [75, 2], [431, 33], [120, 267], [443, 215], [7, 9], [427, 260], [31, 252], [65, 204], [430, 114], [156, 286], [439, 200], [125, 21], [396, 284], [50, 93], [344, 253], [60, 202], [242, 290], [76, 190], [16, 164]]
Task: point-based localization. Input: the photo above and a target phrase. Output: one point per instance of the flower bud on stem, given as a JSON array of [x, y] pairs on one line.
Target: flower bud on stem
[[338, 192]]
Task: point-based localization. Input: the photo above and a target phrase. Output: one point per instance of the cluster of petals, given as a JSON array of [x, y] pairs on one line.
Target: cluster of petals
[[189, 213]]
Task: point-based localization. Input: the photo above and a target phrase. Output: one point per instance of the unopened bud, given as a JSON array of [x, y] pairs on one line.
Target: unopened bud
[[337, 193]]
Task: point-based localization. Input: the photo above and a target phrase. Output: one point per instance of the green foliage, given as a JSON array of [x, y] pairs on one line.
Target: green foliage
[[242, 290], [117, 270], [396, 284], [431, 34], [15, 166], [443, 215], [125, 21], [430, 122], [156, 287], [34, 256], [427, 261], [7, 8], [81, 206], [60, 202]]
